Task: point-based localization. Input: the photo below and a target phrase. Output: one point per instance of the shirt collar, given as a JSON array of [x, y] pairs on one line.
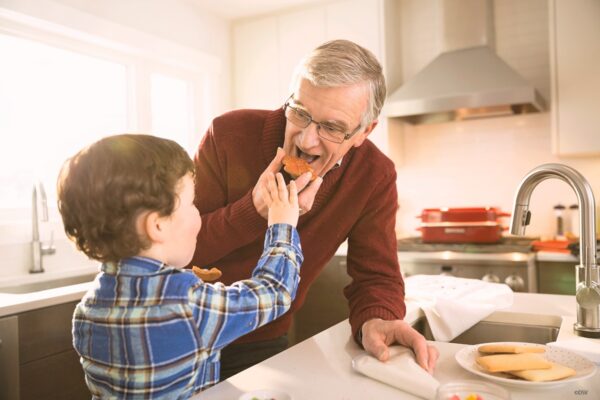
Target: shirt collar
[[134, 266]]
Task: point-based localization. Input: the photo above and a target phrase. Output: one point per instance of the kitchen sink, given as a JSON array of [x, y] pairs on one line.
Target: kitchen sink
[[31, 287], [504, 327]]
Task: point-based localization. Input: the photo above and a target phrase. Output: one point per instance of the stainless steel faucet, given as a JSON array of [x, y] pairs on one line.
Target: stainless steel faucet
[[38, 248], [587, 282]]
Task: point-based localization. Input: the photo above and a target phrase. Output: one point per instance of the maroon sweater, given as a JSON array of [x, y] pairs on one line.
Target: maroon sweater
[[356, 201]]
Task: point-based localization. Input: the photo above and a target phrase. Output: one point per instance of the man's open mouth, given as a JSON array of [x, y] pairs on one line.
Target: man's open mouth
[[306, 157]]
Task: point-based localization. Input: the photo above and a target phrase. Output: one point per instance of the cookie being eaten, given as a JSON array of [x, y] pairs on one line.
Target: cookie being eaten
[[296, 166], [207, 275]]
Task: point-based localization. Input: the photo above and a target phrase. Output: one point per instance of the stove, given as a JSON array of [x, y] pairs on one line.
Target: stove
[[509, 261]]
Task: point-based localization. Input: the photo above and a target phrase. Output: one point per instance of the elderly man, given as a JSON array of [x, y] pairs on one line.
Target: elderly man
[[338, 92]]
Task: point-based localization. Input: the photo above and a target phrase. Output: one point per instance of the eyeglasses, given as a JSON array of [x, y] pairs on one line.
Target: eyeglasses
[[326, 130]]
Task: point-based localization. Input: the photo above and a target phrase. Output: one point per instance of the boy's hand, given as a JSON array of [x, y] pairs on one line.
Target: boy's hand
[[283, 204], [261, 186]]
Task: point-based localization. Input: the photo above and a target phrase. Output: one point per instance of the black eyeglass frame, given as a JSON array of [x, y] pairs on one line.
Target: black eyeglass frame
[[347, 135]]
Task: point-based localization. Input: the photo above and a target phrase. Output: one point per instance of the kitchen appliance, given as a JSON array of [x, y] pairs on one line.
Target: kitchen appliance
[[510, 261], [467, 80], [462, 225]]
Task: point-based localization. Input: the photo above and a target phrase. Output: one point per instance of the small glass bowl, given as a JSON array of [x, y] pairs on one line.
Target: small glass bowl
[[469, 390]]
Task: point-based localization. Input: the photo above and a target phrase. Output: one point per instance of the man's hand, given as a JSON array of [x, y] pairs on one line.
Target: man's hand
[[306, 191], [378, 334]]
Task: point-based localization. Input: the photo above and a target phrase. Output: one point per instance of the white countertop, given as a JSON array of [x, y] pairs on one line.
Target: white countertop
[[320, 367], [17, 303], [556, 257]]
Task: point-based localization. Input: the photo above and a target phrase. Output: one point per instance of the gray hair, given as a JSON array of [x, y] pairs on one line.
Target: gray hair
[[342, 63]]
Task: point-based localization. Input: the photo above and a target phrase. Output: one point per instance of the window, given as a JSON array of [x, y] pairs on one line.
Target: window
[[171, 109], [52, 103], [55, 99]]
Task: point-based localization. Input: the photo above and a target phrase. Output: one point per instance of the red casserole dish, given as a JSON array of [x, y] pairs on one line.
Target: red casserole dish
[[467, 232], [462, 225], [465, 214]]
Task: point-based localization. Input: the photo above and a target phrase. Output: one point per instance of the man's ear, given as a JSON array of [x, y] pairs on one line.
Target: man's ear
[[151, 225], [363, 135]]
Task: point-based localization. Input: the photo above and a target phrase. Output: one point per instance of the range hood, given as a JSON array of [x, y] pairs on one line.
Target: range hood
[[468, 80]]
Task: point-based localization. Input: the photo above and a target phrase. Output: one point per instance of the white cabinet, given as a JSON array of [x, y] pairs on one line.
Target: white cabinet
[[575, 69], [299, 33], [256, 64], [267, 49]]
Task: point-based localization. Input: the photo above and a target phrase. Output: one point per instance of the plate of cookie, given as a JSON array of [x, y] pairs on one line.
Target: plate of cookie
[[525, 364]]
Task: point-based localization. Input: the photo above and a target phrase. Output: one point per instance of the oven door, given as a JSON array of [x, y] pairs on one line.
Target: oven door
[[517, 270]]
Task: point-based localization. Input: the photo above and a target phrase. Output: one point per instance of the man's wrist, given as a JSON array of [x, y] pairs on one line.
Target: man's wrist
[[359, 334]]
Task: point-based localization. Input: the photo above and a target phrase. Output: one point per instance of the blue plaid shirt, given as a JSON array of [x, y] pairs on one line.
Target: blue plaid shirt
[[147, 330]]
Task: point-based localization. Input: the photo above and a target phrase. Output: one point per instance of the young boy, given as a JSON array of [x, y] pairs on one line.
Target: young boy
[[148, 329]]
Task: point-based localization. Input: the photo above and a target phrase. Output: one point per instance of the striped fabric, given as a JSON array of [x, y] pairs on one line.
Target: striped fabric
[[147, 330]]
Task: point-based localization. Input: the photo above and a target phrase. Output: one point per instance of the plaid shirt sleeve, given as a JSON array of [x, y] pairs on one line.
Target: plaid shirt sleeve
[[225, 313]]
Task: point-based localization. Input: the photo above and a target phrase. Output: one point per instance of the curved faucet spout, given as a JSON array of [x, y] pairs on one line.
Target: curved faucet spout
[[588, 288], [585, 197]]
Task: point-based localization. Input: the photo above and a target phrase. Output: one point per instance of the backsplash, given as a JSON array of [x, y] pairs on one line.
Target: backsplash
[[480, 163]]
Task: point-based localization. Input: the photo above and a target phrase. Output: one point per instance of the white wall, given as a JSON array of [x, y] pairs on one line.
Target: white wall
[[480, 163]]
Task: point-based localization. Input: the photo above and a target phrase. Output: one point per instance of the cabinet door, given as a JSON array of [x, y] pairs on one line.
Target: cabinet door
[[256, 64], [325, 304], [57, 377], [9, 358], [358, 21], [49, 366], [575, 53], [300, 32]]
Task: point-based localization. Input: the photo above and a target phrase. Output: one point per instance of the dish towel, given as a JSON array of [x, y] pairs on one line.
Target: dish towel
[[400, 371], [453, 305]]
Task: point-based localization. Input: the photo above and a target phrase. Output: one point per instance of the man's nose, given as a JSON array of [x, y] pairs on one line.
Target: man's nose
[[310, 136]]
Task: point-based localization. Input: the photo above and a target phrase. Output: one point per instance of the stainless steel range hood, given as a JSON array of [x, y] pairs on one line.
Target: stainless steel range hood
[[468, 80]]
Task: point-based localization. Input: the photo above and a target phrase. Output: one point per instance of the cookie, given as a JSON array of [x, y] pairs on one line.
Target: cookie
[[513, 362], [296, 166], [207, 275], [509, 348], [554, 373]]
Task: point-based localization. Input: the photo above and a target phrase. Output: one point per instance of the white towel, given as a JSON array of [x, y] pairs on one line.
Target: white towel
[[401, 371], [453, 305]]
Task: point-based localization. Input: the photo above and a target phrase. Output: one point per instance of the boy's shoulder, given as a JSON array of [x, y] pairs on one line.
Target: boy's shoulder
[[169, 285]]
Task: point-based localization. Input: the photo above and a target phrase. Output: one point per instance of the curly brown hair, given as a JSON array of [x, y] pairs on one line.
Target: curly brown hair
[[104, 187]]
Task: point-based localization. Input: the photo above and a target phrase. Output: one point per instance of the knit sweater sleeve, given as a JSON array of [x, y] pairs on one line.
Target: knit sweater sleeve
[[377, 288], [226, 225]]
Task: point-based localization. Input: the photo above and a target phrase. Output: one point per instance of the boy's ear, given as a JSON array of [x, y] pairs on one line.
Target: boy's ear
[[151, 224]]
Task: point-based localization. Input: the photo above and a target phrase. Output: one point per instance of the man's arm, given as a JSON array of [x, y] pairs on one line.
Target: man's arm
[[376, 295], [377, 288], [226, 226]]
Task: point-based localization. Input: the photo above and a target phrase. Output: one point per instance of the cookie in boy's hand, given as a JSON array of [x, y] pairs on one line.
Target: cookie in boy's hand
[[296, 166], [207, 275]]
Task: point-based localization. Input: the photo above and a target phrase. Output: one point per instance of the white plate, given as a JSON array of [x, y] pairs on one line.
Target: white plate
[[265, 394], [584, 367]]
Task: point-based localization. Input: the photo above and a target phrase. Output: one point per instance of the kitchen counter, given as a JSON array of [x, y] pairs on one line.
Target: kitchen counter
[[320, 367], [13, 303]]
